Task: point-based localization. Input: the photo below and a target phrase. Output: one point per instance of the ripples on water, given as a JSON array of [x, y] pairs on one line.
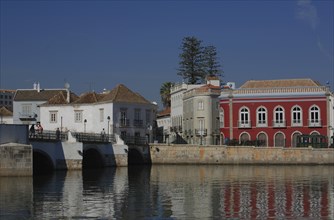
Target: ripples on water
[[173, 192]]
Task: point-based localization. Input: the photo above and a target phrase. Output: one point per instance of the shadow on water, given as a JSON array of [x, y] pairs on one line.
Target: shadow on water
[[92, 159], [42, 164]]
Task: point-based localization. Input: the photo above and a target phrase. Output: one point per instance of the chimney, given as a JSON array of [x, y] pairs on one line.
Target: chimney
[[67, 87], [38, 87], [68, 96], [35, 86]]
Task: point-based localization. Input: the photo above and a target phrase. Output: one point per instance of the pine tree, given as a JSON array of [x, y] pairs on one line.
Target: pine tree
[[191, 66], [211, 65]]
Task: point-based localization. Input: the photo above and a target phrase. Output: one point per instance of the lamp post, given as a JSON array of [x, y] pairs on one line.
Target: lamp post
[[108, 118], [85, 121]]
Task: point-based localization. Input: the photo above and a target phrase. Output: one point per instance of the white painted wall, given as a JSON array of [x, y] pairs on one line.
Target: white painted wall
[[66, 117]]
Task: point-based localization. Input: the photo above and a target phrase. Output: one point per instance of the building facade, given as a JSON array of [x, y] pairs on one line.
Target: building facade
[[201, 115], [26, 104], [119, 111], [276, 112], [6, 98]]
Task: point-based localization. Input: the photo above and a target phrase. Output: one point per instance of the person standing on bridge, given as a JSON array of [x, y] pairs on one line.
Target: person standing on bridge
[[57, 134], [103, 134], [32, 130]]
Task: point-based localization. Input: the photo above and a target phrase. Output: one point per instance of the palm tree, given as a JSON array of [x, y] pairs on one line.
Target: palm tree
[[165, 94]]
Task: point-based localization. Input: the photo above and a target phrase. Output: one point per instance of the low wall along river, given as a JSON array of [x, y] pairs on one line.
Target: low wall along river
[[213, 154]]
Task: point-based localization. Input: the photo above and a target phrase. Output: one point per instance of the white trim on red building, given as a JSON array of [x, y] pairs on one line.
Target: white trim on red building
[[276, 112]]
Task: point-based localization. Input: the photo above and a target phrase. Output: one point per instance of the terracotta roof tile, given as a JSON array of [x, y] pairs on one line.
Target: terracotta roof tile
[[119, 94], [122, 94], [164, 112], [34, 95], [5, 112], [61, 97], [279, 83]]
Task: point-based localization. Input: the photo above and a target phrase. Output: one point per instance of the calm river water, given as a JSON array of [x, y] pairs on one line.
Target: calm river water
[[173, 192]]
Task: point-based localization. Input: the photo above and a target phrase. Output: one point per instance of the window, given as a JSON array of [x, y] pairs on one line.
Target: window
[[279, 117], [244, 118], [296, 116], [148, 116], [314, 117], [137, 121], [26, 110], [262, 139], [77, 116], [200, 105], [101, 114], [279, 140], [261, 117], [244, 138], [221, 118], [124, 121], [53, 116]]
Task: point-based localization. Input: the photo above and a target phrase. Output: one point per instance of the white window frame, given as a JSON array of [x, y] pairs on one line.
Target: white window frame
[[279, 117], [244, 118], [101, 114], [53, 116], [261, 117], [78, 116], [221, 119], [314, 116], [200, 105], [296, 116], [26, 110]]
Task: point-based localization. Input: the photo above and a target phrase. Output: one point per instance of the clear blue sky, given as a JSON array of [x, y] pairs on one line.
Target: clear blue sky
[[99, 44]]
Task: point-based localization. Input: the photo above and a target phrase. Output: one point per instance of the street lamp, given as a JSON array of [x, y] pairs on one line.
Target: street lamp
[[85, 121], [108, 118]]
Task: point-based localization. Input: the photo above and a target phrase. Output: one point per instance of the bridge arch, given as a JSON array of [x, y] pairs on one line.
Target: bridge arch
[[92, 158], [42, 163], [135, 156]]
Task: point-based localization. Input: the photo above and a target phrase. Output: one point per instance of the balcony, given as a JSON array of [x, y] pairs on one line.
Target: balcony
[[201, 132], [124, 123], [27, 116], [138, 123], [279, 123], [314, 123], [244, 124]]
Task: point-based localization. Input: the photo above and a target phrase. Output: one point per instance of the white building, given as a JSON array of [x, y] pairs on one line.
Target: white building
[[119, 111], [177, 107], [6, 116], [26, 104], [164, 124]]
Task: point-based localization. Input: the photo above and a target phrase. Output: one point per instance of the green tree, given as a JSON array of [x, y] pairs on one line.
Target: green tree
[[191, 66], [211, 65], [165, 94]]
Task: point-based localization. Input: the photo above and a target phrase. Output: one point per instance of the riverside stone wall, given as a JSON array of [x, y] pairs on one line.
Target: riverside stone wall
[[16, 160], [214, 154]]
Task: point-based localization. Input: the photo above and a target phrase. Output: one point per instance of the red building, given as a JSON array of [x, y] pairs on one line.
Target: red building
[[276, 112]]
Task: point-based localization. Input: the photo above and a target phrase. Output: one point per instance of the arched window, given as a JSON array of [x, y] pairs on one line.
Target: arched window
[[244, 137], [279, 117], [261, 117], [296, 116], [262, 140], [295, 139], [314, 117], [279, 140], [244, 118]]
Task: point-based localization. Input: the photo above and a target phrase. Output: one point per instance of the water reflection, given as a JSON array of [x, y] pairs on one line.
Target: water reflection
[[173, 192]]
